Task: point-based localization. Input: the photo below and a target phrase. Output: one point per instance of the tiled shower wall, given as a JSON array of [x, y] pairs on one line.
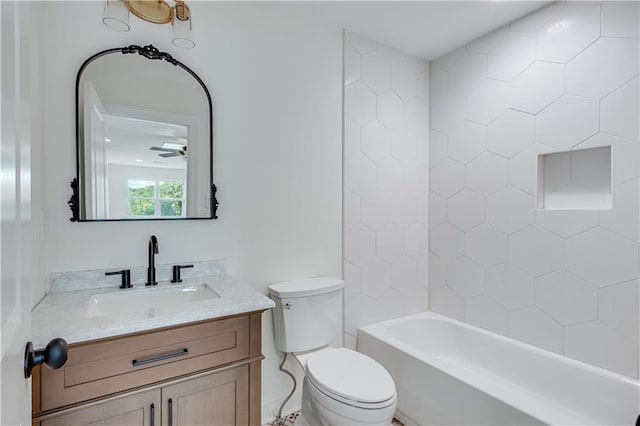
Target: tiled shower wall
[[562, 78], [385, 183]]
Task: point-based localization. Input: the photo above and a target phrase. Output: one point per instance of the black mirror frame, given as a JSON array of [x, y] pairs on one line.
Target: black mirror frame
[[149, 52]]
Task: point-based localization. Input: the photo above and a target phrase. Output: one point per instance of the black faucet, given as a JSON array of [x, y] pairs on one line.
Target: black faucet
[[126, 277], [151, 270]]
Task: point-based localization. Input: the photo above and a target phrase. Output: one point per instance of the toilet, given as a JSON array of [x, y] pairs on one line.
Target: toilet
[[341, 386]]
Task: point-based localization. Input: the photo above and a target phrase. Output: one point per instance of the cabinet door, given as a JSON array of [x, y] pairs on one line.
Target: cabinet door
[[139, 409], [216, 399]]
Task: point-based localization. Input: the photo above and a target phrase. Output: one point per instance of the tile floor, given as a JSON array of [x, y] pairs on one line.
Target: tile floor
[[291, 419]]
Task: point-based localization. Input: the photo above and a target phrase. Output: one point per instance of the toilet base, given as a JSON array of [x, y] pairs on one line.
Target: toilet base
[[320, 410]]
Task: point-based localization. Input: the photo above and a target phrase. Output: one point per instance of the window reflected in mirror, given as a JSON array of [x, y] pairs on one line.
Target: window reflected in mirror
[[156, 198]]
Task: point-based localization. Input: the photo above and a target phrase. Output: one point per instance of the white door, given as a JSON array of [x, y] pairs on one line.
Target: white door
[[95, 158], [15, 213]]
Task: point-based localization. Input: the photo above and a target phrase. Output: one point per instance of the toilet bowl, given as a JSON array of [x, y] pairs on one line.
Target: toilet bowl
[[345, 387], [341, 386]]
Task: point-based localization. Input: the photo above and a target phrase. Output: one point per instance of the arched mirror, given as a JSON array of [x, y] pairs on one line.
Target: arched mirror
[[144, 139]]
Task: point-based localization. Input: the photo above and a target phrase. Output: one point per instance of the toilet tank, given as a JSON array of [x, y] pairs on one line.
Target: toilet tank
[[308, 312]]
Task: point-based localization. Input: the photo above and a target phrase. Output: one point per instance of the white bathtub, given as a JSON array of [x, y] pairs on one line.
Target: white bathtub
[[451, 373]]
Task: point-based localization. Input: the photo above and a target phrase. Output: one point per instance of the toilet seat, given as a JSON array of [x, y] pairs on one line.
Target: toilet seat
[[351, 378]]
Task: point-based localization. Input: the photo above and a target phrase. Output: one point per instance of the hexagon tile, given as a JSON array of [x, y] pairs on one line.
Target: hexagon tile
[[466, 209], [468, 72], [536, 250], [510, 209], [512, 56], [360, 102], [620, 110], [375, 142], [603, 67], [602, 257], [376, 71], [567, 122], [487, 173], [360, 245], [375, 278], [386, 174], [533, 326], [509, 285], [483, 312], [488, 101], [597, 344], [563, 78], [446, 241], [510, 133], [390, 110], [618, 309], [566, 297], [486, 245], [447, 178], [537, 87], [559, 42], [465, 277]]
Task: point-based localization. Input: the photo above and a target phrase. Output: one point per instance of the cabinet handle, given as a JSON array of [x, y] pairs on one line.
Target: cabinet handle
[[153, 415], [170, 412], [181, 352]]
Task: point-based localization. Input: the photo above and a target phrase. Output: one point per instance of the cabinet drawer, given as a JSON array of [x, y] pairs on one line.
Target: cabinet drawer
[[101, 368]]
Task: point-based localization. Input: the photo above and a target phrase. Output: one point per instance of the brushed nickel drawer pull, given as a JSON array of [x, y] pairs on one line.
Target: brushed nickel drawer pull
[[182, 352]]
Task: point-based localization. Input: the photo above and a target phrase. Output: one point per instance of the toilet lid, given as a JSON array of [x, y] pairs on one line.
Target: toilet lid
[[351, 375]]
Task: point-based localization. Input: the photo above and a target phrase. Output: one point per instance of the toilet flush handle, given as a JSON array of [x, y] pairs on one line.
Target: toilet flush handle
[[287, 305]]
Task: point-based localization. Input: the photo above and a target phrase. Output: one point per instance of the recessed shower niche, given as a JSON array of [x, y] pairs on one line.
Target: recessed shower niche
[[578, 179]]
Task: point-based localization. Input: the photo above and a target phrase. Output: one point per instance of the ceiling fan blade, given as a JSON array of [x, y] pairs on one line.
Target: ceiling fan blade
[[157, 148]]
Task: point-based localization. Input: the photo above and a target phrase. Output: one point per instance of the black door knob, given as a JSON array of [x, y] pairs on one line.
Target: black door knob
[[54, 356]]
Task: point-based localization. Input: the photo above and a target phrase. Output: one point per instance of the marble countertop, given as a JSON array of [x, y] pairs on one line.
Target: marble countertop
[[67, 314]]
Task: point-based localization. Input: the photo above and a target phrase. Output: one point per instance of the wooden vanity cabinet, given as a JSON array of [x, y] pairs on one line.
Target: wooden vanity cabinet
[[206, 373]]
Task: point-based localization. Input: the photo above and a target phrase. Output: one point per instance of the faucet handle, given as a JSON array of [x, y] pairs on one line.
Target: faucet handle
[[126, 277], [176, 272]]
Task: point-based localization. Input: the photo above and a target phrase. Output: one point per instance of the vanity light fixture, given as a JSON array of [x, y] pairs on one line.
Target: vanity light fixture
[[116, 17]]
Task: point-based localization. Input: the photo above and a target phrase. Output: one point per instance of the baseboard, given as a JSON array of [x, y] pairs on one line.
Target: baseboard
[[406, 420]]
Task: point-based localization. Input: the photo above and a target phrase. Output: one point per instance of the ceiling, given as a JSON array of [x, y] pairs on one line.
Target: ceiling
[[426, 29], [128, 140]]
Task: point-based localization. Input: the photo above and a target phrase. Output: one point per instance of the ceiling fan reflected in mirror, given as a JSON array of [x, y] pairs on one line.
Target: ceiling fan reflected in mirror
[[171, 150]]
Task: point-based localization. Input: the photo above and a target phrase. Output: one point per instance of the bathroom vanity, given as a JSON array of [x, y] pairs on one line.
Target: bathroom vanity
[[183, 363], [146, 351]]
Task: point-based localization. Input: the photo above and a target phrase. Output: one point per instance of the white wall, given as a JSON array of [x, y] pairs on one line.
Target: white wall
[[386, 183], [562, 78], [277, 94]]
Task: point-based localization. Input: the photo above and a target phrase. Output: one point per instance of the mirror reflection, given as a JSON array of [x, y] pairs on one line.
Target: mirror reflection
[[144, 139]]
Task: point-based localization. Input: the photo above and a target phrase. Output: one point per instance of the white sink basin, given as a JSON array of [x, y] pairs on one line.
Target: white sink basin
[[148, 300]]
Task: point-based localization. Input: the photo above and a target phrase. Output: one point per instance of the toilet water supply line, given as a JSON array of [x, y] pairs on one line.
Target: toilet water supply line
[[279, 421]]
